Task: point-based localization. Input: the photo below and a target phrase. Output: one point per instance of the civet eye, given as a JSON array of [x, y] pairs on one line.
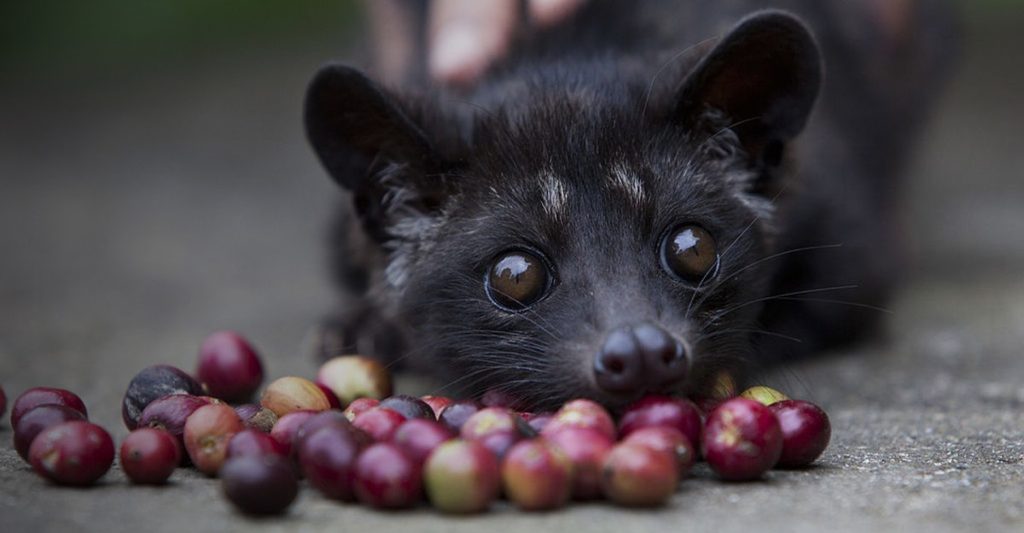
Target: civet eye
[[689, 253], [516, 280]]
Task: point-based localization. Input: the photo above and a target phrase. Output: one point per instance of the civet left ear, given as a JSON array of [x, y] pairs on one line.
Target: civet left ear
[[371, 147]]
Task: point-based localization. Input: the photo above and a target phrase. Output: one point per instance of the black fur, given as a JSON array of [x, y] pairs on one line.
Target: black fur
[[705, 118]]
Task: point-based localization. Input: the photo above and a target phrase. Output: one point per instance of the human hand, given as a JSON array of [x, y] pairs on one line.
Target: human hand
[[466, 36]]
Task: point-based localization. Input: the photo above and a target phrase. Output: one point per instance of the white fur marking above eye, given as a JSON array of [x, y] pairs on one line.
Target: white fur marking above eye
[[628, 184], [554, 197]]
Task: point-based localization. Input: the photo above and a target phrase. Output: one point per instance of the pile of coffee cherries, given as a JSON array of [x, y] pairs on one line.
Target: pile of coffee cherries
[[352, 440]]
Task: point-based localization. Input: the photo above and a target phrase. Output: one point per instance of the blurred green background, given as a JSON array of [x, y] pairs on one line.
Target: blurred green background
[[106, 38]]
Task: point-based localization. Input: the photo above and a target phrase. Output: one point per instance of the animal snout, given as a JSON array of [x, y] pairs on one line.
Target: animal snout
[[639, 358]]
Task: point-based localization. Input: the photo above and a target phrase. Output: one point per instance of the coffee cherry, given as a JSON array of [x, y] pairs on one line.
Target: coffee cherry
[[500, 442], [386, 478], [409, 407], [360, 405], [586, 449], [289, 394], [3, 402], [250, 442], [805, 432], [537, 475], [36, 396], [497, 428], [170, 413], [639, 476], [323, 419], [461, 477], [331, 397], [256, 417], [582, 414], [455, 415], [742, 439], [765, 395], [263, 485], [668, 440], [72, 453], [149, 456], [653, 411], [417, 438], [151, 384], [437, 403], [229, 367], [355, 376], [287, 426], [37, 420], [380, 423], [327, 458], [490, 420], [207, 433]]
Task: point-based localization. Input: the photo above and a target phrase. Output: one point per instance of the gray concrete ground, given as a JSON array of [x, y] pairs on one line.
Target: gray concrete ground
[[134, 221]]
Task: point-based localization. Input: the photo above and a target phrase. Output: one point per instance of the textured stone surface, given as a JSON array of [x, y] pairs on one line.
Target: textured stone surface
[[134, 222]]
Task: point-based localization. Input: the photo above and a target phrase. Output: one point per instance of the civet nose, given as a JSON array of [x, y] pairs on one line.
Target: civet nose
[[638, 358]]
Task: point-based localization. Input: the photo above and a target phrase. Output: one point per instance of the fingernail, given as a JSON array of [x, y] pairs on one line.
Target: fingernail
[[549, 12], [458, 55]]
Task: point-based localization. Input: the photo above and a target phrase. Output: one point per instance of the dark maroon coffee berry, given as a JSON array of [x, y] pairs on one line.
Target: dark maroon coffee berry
[[229, 367], [408, 406], [250, 442], [582, 414], [437, 403], [256, 417], [805, 432], [72, 453], [461, 477], [537, 475], [36, 396], [667, 440], [263, 485], [151, 384], [639, 476], [386, 478], [417, 438], [319, 420], [3, 402], [456, 414], [331, 397], [329, 418], [379, 422], [360, 406], [207, 433], [149, 456], [653, 411], [742, 439], [327, 459], [37, 420], [586, 449], [287, 426], [170, 413]]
